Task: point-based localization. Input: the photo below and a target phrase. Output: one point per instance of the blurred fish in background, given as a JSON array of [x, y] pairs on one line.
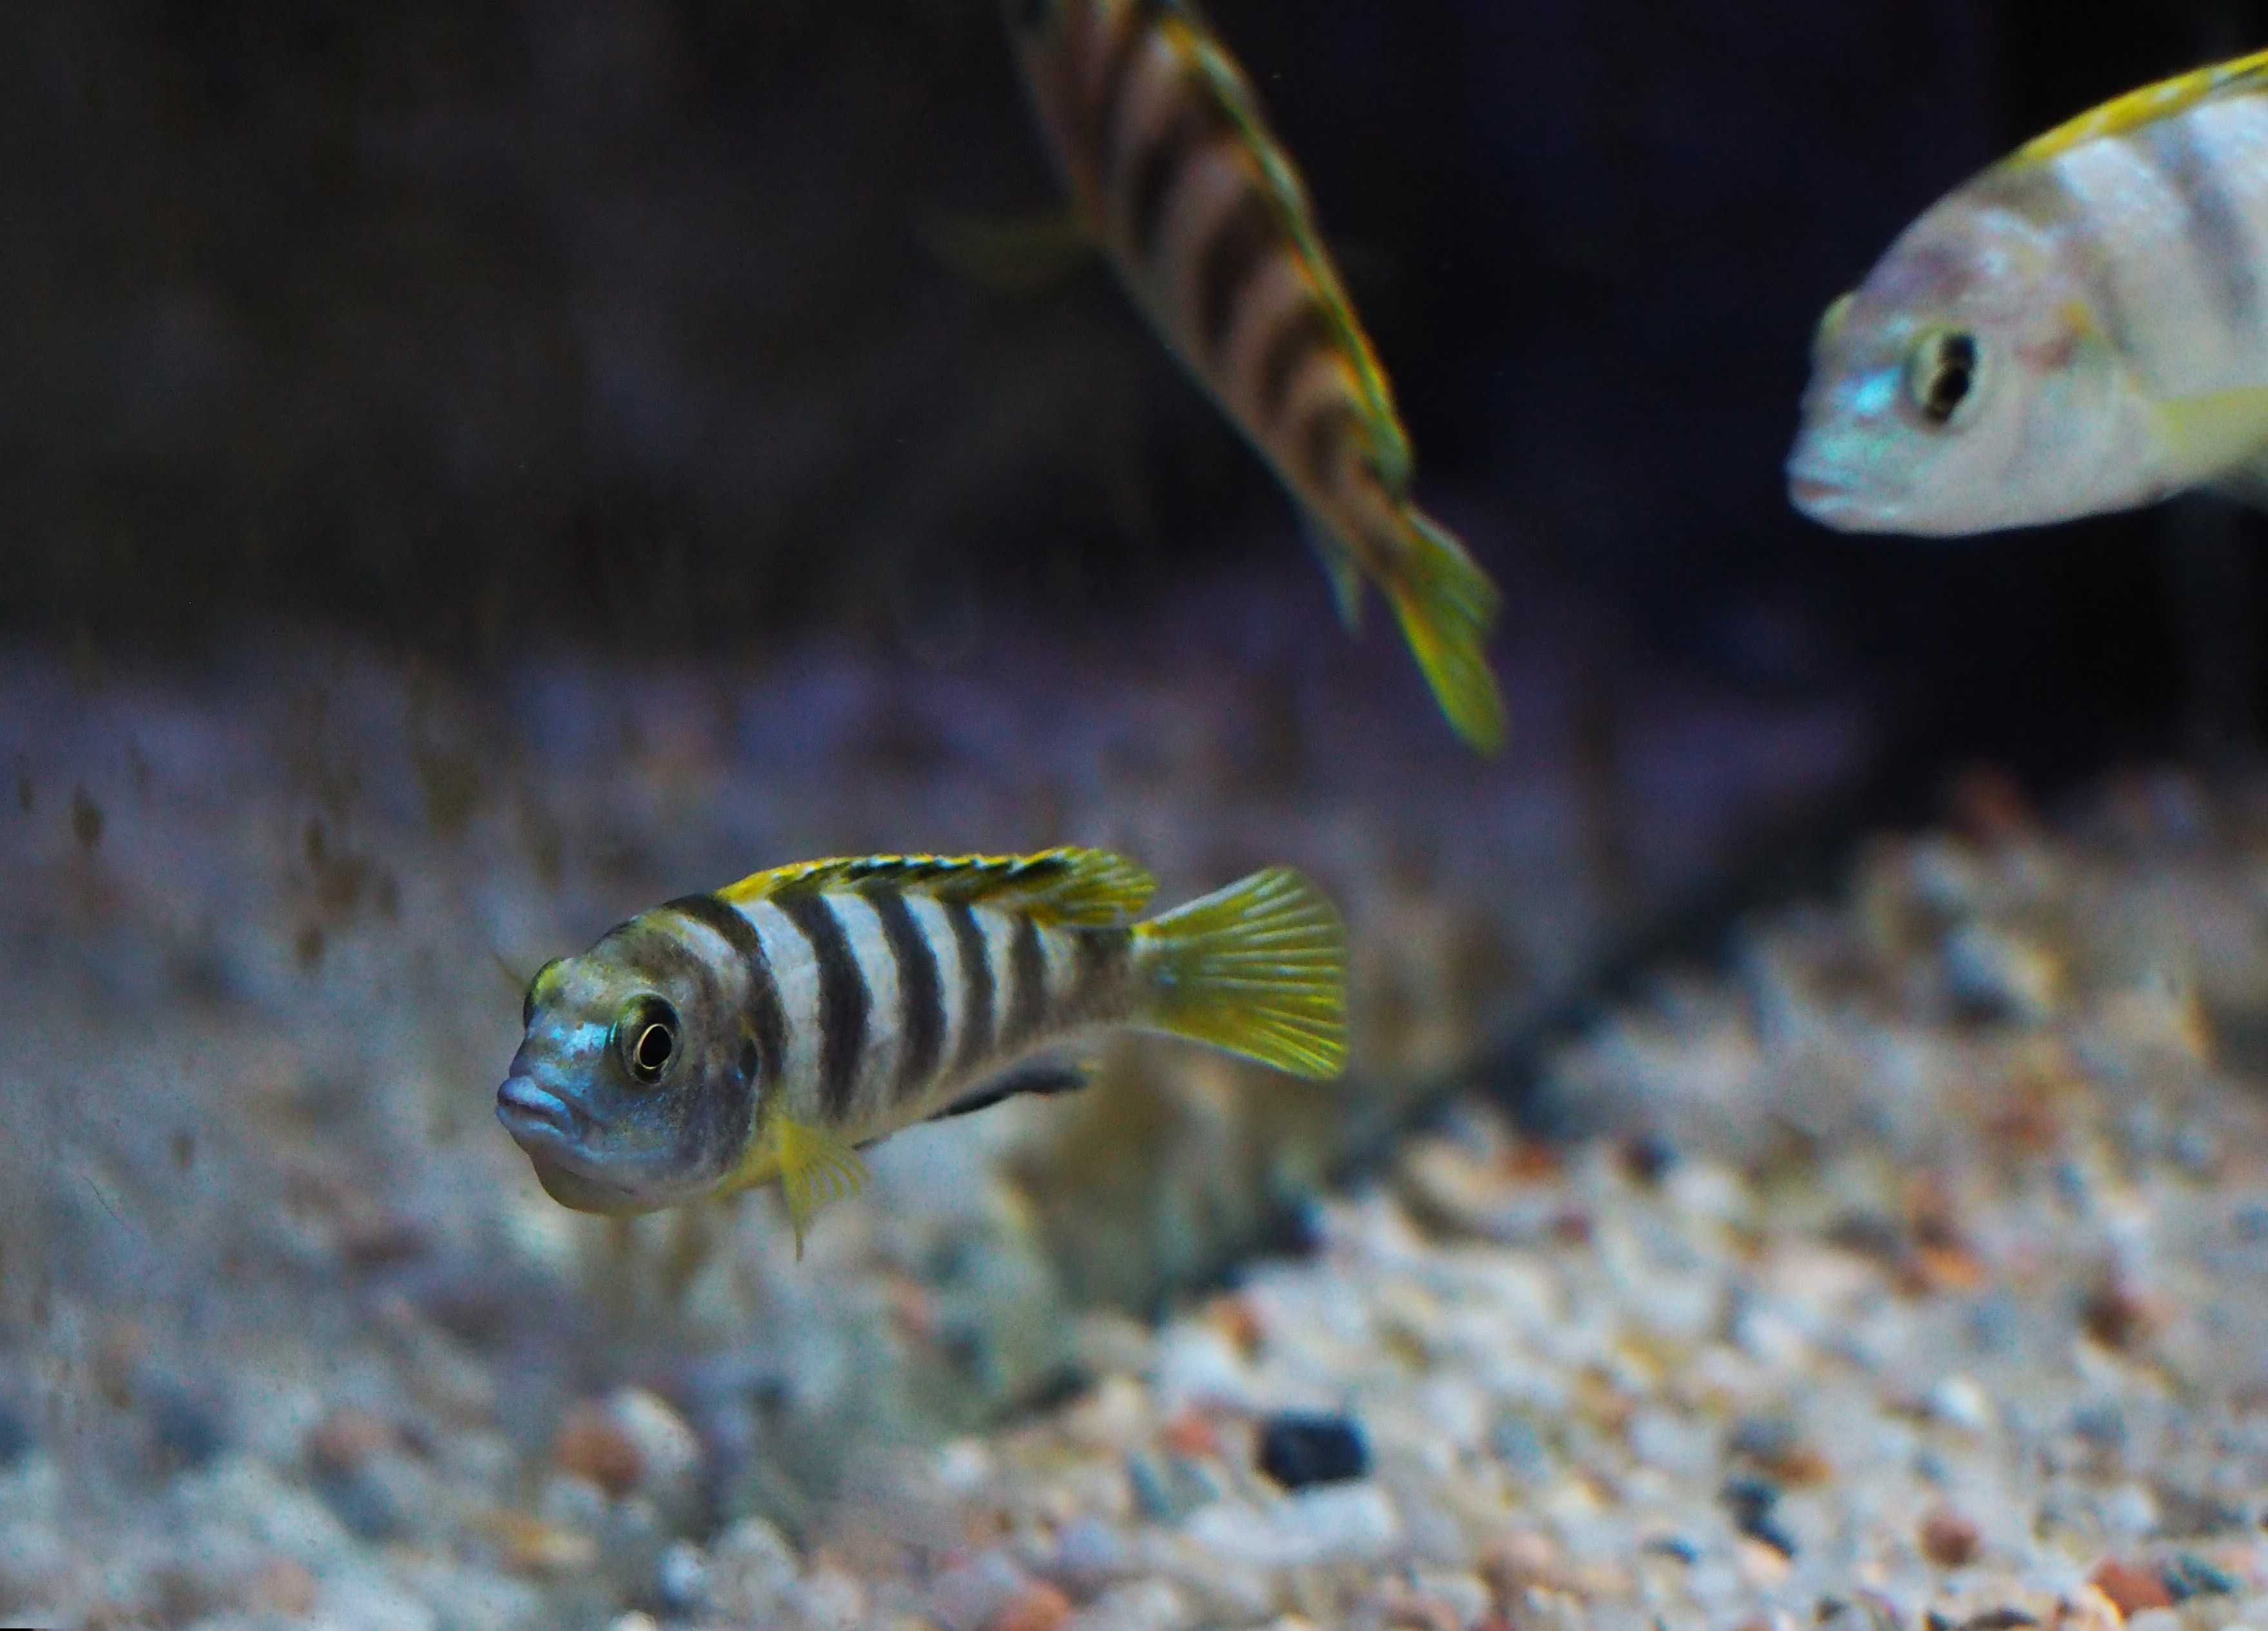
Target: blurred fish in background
[[1175, 172], [2082, 327]]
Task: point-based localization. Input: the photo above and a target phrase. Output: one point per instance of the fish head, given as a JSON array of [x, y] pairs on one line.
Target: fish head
[[1968, 385], [634, 1087]]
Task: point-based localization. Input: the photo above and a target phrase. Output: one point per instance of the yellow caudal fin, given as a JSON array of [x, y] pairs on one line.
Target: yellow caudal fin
[[1447, 605], [1258, 968]]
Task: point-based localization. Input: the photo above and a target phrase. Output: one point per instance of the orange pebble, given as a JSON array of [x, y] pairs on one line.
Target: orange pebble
[[2132, 1589], [1188, 1432], [1041, 1607], [591, 1444]]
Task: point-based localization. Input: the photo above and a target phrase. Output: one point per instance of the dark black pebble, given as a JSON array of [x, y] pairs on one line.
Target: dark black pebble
[[1751, 1502], [1297, 1450]]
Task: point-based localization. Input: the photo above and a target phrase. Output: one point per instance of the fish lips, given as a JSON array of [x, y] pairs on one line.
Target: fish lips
[[539, 1120], [554, 1134], [1823, 498]]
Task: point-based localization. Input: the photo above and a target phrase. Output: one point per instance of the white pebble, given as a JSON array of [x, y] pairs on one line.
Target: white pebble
[[1961, 1403], [1346, 1523], [751, 1567], [1141, 1606], [1197, 1366]]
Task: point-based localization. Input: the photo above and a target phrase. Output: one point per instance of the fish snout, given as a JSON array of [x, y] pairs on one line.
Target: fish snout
[[532, 1112]]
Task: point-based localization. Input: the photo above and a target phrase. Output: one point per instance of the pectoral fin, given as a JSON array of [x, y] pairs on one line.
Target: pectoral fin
[[815, 1167], [2219, 440], [1036, 1078], [1012, 254]]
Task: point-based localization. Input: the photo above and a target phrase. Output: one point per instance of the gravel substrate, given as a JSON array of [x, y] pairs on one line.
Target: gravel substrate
[[1909, 1273]]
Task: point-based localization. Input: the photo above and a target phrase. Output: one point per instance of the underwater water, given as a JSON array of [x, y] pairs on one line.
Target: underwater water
[[475, 479]]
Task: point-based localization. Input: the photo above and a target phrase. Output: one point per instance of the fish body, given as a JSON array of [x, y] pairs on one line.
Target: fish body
[[766, 1030], [2082, 327], [1173, 171]]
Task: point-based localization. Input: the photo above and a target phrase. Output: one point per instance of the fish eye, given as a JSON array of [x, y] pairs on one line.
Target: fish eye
[[528, 1002], [1941, 373], [645, 1036]]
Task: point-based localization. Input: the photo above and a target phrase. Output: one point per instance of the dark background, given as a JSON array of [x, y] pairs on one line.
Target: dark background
[[613, 322]]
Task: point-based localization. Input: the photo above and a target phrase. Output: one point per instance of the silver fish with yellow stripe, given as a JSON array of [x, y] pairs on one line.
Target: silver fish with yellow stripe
[[768, 1031], [2083, 328], [1173, 171]]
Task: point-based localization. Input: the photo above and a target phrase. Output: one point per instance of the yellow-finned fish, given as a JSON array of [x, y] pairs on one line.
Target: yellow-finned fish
[[2082, 327], [1173, 171], [766, 1030]]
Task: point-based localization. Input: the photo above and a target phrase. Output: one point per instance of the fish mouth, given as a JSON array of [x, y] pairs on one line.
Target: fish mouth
[[536, 1117], [1816, 497]]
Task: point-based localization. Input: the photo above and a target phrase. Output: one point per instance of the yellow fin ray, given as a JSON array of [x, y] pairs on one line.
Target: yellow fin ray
[[1079, 886], [1258, 968], [815, 1167], [1447, 606], [2210, 436], [2166, 99]]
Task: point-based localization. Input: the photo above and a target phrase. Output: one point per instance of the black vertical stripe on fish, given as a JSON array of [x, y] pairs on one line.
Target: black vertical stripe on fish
[[2215, 228], [1321, 439], [714, 1131], [1027, 984], [1098, 955], [975, 985], [843, 1000], [1241, 243], [1302, 332], [767, 1020], [1135, 22], [1157, 167], [921, 991], [2037, 193]]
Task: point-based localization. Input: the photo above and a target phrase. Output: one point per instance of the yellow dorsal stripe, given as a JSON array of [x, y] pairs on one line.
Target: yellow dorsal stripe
[[1090, 886], [1279, 183], [2242, 76]]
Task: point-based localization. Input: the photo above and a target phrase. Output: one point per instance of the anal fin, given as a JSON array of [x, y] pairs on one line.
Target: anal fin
[[1340, 566], [1041, 1079]]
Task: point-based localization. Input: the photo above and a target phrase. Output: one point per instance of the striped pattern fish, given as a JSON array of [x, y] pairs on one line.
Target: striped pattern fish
[[1173, 171], [768, 1031], [2083, 328]]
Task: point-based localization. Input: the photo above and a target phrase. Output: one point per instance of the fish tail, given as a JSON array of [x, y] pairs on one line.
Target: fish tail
[[1447, 606], [1258, 968]]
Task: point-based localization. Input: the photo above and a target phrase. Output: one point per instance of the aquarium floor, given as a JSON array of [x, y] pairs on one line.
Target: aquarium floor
[[1916, 1265]]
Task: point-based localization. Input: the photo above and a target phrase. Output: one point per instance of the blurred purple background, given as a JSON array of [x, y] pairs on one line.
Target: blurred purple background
[[612, 321]]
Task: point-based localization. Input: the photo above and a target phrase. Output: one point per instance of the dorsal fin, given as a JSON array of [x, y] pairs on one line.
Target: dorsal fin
[[2239, 77], [1089, 886], [1232, 93]]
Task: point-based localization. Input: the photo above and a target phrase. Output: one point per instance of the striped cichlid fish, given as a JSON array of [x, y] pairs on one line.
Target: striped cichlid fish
[[2082, 327], [1173, 171], [770, 1030]]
